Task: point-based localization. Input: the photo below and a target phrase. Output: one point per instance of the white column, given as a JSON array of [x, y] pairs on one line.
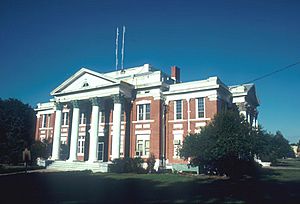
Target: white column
[[57, 131], [116, 139], [94, 130], [74, 132]]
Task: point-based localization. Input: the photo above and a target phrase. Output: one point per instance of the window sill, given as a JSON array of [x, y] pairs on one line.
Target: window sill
[[142, 121]]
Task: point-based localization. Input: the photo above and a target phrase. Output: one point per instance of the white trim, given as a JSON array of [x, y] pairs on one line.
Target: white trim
[[142, 121], [142, 102], [178, 126], [142, 132], [138, 126], [176, 121], [200, 119], [46, 112], [178, 132]]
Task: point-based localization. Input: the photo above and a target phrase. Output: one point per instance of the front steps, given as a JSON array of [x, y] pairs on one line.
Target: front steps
[[79, 166]]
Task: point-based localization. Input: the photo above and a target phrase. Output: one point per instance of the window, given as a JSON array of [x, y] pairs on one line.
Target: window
[[177, 146], [200, 108], [80, 149], [143, 112], [122, 145], [82, 119], [177, 142], [44, 121], [65, 120], [178, 109], [147, 111], [102, 116], [143, 145], [122, 115]]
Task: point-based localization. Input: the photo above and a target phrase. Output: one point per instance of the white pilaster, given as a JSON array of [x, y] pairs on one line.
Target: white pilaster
[[116, 127], [74, 132], [94, 130], [188, 114], [57, 131]]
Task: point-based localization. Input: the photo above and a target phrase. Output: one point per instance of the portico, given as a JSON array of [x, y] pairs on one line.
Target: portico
[[89, 90]]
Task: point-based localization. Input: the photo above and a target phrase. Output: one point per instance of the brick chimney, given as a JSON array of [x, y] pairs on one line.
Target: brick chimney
[[175, 74]]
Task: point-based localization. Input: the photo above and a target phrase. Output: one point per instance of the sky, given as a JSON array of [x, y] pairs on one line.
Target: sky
[[42, 43]]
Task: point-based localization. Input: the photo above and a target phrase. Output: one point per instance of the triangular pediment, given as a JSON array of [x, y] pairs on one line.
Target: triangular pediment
[[84, 79]]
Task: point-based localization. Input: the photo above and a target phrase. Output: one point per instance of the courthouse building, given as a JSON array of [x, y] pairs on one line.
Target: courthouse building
[[134, 112]]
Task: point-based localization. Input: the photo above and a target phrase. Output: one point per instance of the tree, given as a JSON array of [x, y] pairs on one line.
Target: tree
[[17, 122], [224, 146], [273, 147]]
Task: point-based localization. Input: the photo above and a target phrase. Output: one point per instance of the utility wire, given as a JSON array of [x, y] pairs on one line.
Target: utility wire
[[274, 72]]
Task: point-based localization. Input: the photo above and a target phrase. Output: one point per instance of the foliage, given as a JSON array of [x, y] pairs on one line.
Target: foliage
[[273, 147], [225, 146], [150, 163], [17, 121], [39, 149], [128, 165]]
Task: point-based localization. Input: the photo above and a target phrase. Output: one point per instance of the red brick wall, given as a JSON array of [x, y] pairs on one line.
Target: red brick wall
[[155, 127], [211, 108]]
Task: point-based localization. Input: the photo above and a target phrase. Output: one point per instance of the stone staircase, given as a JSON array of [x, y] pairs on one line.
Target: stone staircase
[[79, 166]]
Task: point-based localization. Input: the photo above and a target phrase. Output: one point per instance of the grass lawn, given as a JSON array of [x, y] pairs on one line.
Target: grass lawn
[[274, 186], [21, 168]]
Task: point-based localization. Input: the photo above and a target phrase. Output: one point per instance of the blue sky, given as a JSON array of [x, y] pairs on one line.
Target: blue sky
[[42, 43]]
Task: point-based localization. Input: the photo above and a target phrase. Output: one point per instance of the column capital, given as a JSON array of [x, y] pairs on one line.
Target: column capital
[[75, 103], [118, 98], [95, 101], [58, 106]]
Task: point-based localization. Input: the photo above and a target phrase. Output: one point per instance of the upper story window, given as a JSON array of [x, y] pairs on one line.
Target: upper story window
[[65, 120], [102, 116], [82, 119], [200, 108], [178, 109], [44, 120], [122, 114], [143, 112]]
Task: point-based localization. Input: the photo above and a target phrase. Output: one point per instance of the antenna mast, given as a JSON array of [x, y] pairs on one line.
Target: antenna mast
[[123, 42], [117, 39]]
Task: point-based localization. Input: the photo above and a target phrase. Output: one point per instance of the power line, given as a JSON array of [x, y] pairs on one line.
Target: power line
[[274, 72]]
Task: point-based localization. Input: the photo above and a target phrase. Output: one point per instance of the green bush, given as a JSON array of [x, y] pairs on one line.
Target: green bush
[[151, 163], [38, 149], [127, 165]]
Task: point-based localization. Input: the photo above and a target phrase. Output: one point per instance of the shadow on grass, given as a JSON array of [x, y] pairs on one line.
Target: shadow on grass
[[83, 187]]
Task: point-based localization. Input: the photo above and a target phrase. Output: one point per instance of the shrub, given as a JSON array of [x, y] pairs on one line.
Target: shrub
[[128, 165], [150, 163]]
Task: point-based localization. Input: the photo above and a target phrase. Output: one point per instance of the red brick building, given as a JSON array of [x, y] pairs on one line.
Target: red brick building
[[134, 112]]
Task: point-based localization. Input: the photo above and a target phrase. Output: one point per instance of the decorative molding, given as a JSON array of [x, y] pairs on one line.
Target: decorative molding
[[118, 98], [75, 103], [58, 106], [95, 101]]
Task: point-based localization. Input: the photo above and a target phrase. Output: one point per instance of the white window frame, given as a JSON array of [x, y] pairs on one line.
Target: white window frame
[[65, 118], [100, 159], [177, 144], [197, 112], [144, 113], [80, 145], [175, 110], [101, 115], [122, 145], [82, 119], [143, 140], [44, 120]]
